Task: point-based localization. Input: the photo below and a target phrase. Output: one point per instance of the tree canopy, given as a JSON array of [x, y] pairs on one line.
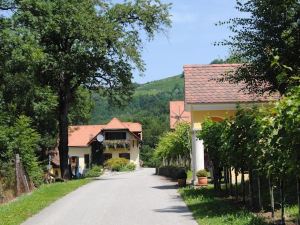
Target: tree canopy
[[268, 40], [64, 45]]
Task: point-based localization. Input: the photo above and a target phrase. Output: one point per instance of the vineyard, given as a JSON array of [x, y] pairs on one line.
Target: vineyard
[[264, 143]]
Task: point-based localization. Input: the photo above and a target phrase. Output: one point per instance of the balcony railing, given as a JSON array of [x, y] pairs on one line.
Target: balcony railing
[[116, 144]]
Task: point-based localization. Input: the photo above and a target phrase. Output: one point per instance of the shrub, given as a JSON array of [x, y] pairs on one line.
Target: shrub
[[202, 173], [116, 164], [128, 167], [119, 164], [95, 171]]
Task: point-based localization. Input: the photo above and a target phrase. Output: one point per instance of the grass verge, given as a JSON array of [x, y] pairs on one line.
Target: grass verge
[[16, 212], [210, 210]]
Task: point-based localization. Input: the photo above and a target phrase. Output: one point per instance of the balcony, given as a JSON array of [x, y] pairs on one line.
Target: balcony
[[116, 144]]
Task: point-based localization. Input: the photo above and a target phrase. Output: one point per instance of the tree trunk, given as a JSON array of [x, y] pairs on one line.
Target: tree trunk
[[250, 185], [282, 201], [63, 135], [226, 179], [230, 182], [259, 193], [236, 185], [271, 189], [216, 173], [243, 186]]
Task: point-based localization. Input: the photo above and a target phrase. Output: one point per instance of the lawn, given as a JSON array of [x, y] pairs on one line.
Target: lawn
[[16, 212], [210, 210]]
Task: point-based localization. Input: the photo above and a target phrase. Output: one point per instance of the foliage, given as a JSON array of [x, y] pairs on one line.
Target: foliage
[[202, 173], [287, 122], [129, 167], [26, 206], [95, 171], [267, 39], [21, 139], [119, 164], [263, 141], [175, 147], [70, 44]]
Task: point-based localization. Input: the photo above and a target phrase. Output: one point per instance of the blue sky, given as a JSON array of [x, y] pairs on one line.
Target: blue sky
[[190, 40]]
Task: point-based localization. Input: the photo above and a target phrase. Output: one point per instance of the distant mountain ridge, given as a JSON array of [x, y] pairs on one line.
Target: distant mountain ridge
[[170, 88]]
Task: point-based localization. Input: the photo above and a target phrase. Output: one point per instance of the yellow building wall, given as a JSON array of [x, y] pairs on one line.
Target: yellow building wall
[[80, 152], [134, 152], [198, 117]]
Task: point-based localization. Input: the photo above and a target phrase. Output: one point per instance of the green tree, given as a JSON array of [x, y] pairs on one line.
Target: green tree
[[174, 147], [268, 39], [211, 135], [20, 138], [91, 43]]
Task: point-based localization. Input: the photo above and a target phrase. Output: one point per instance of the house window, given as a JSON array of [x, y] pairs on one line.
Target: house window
[[87, 161], [107, 156], [124, 155], [115, 136]]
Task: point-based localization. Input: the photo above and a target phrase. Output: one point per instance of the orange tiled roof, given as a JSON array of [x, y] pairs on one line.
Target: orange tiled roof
[[80, 136], [178, 114], [200, 88]]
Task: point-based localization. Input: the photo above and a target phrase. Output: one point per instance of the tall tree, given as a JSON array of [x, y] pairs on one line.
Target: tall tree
[[268, 39], [88, 43]]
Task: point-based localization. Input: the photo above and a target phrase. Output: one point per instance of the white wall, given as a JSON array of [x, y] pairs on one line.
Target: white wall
[[80, 152]]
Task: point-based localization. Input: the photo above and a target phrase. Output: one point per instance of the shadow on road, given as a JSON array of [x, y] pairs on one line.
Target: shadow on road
[[174, 209], [166, 187]]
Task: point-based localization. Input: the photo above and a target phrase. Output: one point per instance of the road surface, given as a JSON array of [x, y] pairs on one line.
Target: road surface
[[135, 198]]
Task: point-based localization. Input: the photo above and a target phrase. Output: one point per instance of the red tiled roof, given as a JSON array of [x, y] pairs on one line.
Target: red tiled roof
[[200, 86], [178, 114], [133, 127], [80, 136], [114, 124]]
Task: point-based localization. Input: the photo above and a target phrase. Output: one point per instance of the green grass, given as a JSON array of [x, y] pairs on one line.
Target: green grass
[[16, 212], [210, 210]]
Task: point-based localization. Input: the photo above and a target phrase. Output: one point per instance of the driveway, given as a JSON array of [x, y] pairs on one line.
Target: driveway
[[136, 198]]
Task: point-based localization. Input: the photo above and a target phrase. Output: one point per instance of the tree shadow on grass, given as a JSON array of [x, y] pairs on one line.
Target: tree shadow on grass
[[219, 210]]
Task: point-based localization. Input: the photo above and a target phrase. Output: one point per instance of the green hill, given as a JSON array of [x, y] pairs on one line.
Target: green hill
[[149, 106]]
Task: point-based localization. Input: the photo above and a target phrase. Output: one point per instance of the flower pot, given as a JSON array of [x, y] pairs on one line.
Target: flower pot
[[202, 181], [181, 182]]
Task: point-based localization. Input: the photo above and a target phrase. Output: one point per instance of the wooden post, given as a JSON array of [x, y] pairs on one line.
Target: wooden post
[[17, 163], [23, 177]]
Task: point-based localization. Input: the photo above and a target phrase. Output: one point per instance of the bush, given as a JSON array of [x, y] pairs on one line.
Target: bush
[[202, 173], [129, 167], [95, 171], [119, 164]]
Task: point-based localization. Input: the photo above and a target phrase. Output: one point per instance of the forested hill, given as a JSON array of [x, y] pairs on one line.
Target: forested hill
[[149, 106]]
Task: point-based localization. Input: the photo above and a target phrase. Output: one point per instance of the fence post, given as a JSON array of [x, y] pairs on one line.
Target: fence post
[[17, 163]]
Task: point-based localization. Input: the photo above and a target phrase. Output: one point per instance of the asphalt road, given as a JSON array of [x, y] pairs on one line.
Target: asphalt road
[[136, 198]]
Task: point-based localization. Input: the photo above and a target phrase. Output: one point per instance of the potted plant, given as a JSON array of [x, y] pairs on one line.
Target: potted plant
[[181, 178], [202, 177]]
